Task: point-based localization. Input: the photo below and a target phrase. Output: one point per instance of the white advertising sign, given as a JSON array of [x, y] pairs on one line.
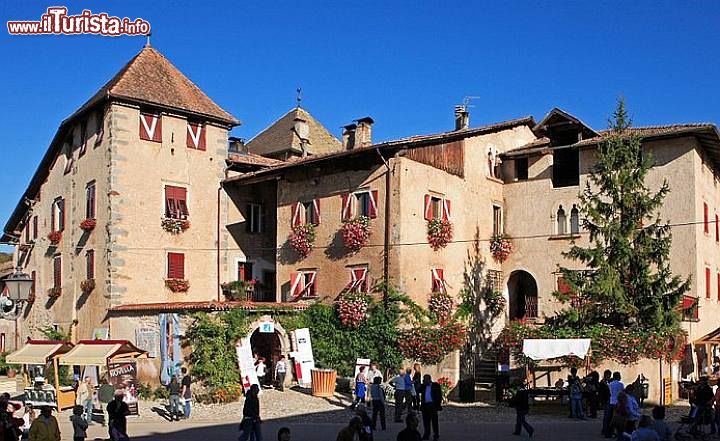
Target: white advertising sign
[[246, 363], [302, 356], [361, 362]]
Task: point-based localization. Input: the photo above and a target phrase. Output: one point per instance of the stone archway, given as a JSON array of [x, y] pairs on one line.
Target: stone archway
[[270, 345], [523, 296]]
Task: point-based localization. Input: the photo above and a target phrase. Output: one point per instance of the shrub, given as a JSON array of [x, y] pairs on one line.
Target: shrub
[[161, 393], [429, 344]]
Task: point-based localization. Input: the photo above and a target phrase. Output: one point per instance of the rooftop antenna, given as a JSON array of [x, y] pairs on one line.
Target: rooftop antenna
[[468, 99], [147, 42], [299, 96]]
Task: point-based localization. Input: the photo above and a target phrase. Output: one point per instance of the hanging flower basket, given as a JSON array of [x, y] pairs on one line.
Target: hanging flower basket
[[88, 224], [177, 285], [238, 290], [355, 233], [441, 305], [352, 309], [439, 233], [302, 239], [431, 344], [54, 237], [175, 226], [500, 247], [495, 302], [87, 286], [54, 292]]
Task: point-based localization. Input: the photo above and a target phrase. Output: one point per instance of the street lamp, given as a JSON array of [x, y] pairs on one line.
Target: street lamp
[[19, 285]]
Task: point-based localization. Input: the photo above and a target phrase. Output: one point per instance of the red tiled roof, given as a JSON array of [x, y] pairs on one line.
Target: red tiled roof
[[150, 78], [253, 159], [209, 306]]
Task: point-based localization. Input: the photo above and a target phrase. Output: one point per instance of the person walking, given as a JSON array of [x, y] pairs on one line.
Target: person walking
[[10, 427], [186, 392], [430, 405], [615, 386], [280, 372], [251, 421], [410, 393], [174, 390], [83, 397], [45, 427], [260, 370], [410, 432], [117, 422], [704, 399], [352, 431], [520, 401], [633, 409], [604, 389], [591, 393], [360, 387], [417, 383], [79, 424], [399, 384], [575, 392], [377, 395]]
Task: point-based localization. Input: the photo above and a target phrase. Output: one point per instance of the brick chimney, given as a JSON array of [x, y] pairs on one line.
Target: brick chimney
[[462, 117], [349, 136], [363, 135]]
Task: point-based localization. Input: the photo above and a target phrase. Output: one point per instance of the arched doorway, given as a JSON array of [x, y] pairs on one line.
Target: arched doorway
[[522, 290], [269, 345]]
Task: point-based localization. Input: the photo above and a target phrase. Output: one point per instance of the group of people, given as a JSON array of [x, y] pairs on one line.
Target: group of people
[[279, 372], [180, 396], [412, 392]]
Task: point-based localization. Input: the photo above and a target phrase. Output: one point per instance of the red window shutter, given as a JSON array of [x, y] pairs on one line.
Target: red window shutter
[[316, 211], [33, 276], [57, 272], [90, 264], [176, 266], [562, 286], [296, 220], [446, 209], [347, 200], [373, 211], [35, 227], [705, 217], [310, 288], [151, 127], [427, 210], [296, 287], [52, 216], [195, 136], [707, 283], [717, 229], [438, 280]]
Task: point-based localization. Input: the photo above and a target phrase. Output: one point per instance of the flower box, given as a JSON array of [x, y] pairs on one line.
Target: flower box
[[441, 305], [88, 224], [239, 290], [431, 344], [352, 309], [355, 233], [177, 285], [54, 237], [175, 226], [302, 239], [87, 286], [500, 247], [439, 233], [54, 292]]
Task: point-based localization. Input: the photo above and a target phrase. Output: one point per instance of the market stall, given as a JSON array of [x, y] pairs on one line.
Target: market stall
[[709, 347], [118, 356], [35, 357], [549, 349]]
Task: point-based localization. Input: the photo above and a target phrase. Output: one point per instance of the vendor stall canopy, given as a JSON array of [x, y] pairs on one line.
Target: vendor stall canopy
[[712, 338], [545, 349], [38, 352], [99, 352]]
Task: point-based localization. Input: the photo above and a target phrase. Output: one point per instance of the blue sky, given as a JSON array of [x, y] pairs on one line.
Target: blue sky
[[403, 63]]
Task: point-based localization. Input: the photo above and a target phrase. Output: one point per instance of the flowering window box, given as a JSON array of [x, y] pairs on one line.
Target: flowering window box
[[54, 237], [302, 239], [54, 292], [88, 224], [355, 233], [87, 286], [439, 233], [500, 247], [441, 306], [177, 285], [175, 226]]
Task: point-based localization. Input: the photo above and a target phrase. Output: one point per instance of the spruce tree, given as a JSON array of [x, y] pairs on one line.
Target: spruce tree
[[628, 280]]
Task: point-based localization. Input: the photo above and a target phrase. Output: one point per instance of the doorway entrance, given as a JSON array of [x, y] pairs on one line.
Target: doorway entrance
[[266, 345], [523, 295]]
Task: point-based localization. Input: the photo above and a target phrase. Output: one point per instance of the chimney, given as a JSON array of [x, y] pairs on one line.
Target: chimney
[[237, 145], [348, 136], [462, 117], [363, 135]]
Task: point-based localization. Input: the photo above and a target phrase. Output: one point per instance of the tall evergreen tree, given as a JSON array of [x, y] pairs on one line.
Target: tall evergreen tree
[[628, 279]]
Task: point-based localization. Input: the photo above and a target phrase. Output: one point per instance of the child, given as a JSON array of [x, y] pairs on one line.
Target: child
[[360, 387], [79, 423], [377, 394]]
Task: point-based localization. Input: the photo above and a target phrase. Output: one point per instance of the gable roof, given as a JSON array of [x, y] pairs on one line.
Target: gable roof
[[559, 116], [150, 78], [281, 136]]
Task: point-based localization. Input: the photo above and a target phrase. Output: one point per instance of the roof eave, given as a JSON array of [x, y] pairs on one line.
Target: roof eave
[[231, 122]]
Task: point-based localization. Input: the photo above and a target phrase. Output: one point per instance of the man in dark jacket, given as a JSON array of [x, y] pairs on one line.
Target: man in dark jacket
[[251, 415], [118, 411], [522, 407], [430, 404]]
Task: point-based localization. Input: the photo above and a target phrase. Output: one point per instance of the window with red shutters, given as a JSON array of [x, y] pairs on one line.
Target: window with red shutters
[[33, 276], [438, 280], [57, 272], [436, 208], [176, 266], [358, 279], [706, 219], [176, 202], [245, 271], [708, 289], [195, 136], [90, 264], [151, 127], [690, 308], [303, 284], [90, 200], [35, 227]]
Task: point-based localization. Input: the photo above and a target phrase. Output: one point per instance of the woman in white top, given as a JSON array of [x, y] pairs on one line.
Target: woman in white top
[[260, 371]]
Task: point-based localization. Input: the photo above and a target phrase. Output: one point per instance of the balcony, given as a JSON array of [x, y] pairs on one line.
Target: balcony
[[247, 291]]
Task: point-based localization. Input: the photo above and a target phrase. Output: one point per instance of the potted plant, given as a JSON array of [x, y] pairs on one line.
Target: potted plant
[[54, 292], [355, 233], [500, 247], [441, 305], [302, 239], [352, 309], [88, 224], [177, 285], [87, 286], [238, 290], [175, 226], [439, 233], [54, 237]]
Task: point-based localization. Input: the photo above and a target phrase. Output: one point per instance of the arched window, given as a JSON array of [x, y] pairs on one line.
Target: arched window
[[561, 221], [574, 220]]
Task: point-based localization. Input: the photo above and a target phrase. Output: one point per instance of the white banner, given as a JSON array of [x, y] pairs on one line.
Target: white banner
[[302, 356], [246, 363]]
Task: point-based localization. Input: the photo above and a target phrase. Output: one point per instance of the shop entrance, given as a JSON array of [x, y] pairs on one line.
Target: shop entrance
[[268, 346]]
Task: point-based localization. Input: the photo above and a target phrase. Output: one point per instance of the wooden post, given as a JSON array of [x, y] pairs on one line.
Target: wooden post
[[57, 380]]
